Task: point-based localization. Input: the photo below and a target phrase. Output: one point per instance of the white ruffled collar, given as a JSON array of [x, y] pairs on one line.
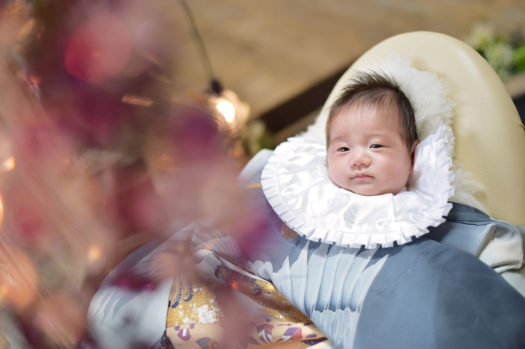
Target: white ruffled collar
[[295, 180]]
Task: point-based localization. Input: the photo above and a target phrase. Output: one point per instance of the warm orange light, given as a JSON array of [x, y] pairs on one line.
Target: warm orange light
[[226, 108], [8, 164], [94, 253], [137, 100], [234, 285], [230, 111]]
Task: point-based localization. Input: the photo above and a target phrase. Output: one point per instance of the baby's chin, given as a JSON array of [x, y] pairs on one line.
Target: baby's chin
[[370, 189], [372, 192]]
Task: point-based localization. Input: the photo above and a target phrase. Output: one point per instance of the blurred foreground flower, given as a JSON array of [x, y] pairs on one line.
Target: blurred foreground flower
[[96, 161]]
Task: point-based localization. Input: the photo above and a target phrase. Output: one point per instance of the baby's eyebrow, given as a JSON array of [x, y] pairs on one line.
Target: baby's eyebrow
[[337, 139], [381, 135]]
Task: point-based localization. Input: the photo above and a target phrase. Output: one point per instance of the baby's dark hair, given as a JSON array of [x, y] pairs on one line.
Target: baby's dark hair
[[375, 90]]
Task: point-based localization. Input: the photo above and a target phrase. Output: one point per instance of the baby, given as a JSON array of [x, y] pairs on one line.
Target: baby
[[371, 137]]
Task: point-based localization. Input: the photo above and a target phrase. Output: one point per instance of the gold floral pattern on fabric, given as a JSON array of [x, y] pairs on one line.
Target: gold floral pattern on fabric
[[191, 304], [194, 318], [266, 334]]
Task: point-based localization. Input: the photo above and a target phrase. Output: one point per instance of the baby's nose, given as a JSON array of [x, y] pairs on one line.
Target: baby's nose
[[361, 159]]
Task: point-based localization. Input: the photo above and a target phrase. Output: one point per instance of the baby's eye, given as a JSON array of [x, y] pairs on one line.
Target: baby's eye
[[343, 149], [376, 146]]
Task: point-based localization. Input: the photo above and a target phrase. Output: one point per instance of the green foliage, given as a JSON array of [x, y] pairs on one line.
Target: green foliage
[[519, 58], [505, 54], [256, 137]]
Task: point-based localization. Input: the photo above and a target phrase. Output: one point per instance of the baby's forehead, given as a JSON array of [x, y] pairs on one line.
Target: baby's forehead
[[364, 111], [364, 106], [373, 120]]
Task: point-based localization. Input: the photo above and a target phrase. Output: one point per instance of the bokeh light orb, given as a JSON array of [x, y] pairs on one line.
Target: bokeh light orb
[[227, 110]]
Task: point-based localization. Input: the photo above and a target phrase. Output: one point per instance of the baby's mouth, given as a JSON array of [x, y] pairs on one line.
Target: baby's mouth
[[361, 176]]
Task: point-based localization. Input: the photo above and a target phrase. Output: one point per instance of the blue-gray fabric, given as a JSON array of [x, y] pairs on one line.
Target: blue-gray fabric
[[468, 229], [431, 293]]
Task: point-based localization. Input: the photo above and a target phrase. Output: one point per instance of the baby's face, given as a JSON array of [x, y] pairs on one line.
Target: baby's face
[[366, 153]]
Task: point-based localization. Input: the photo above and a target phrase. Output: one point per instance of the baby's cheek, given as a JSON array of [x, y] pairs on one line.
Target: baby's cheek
[[403, 175], [329, 165], [332, 172]]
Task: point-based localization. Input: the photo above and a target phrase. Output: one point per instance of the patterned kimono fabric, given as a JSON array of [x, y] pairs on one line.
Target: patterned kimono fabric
[[194, 319]]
